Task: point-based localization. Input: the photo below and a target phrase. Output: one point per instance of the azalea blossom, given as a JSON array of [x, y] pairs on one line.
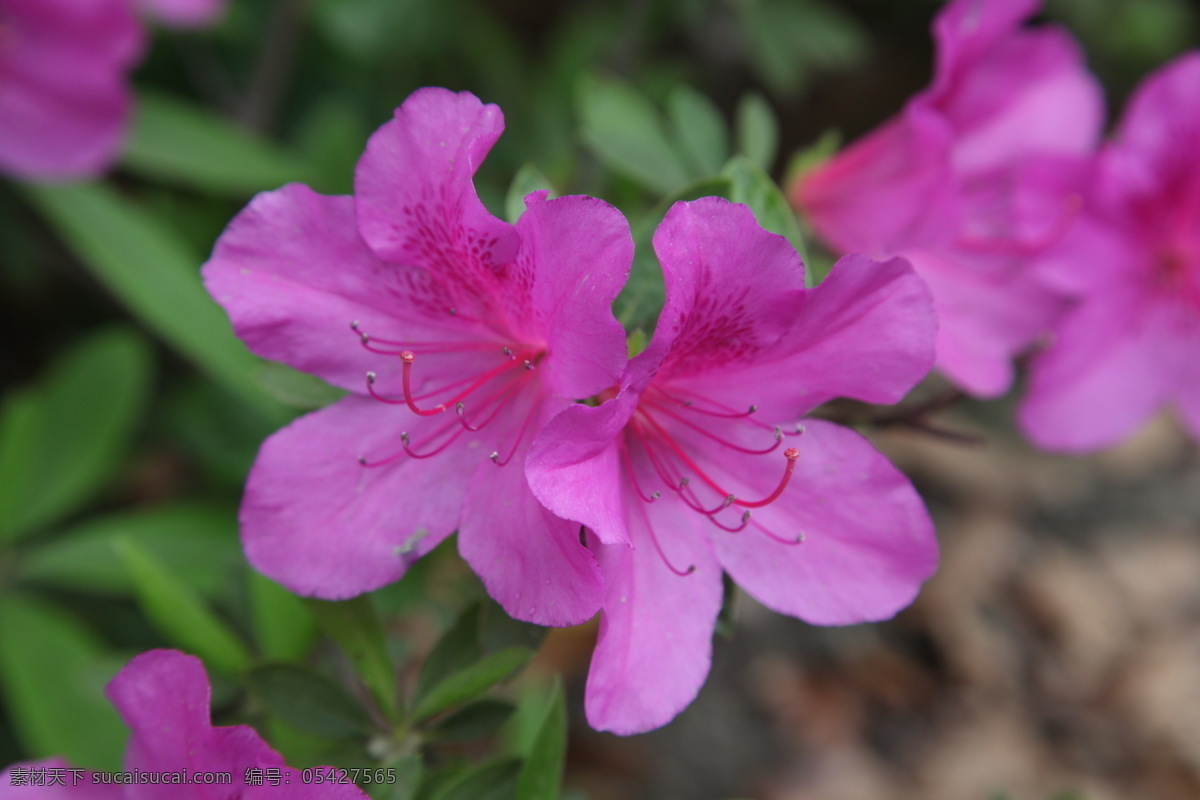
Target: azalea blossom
[[696, 464], [163, 696], [980, 173], [64, 94], [458, 335], [1132, 345]]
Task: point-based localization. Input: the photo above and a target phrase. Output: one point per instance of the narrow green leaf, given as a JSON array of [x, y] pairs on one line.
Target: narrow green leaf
[[542, 770], [180, 142], [296, 389], [196, 542], [155, 275], [283, 625], [623, 129], [528, 179], [458, 649], [459, 687], [179, 614], [354, 625], [309, 701], [700, 128], [57, 455], [492, 781], [476, 720], [753, 187], [53, 672], [757, 131]]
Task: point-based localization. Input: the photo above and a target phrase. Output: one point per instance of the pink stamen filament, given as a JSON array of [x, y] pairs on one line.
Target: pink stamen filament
[[776, 537], [682, 573], [676, 482], [791, 454], [778, 433], [533, 412], [629, 470], [499, 398], [408, 357]]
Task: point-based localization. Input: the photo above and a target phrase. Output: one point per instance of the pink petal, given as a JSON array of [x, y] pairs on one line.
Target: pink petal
[[868, 541], [889, 190], [575, 257], [320, 523], [416, 201], [866, 332], [185, 13], [15, 783], [965, 30], [293, 275], [531, 562], [1111, 366], [575, 467], [63, 93], [655, 645]]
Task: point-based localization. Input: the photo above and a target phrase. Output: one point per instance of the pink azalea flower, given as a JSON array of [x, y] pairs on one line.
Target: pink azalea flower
[[1132, 346], [696, 466], [64, 99], [163, 696], [978, 173], [474, 333]]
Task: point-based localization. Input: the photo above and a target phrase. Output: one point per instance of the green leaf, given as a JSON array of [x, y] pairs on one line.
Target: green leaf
[[459, 687], [198, 543], [309, 701], [178, 612], [701, 130], [492, 781], [61, 439], [54, 672], [477, 720], [757, 131], [283, 625], [155, 275], [813, 156], [409, 770], [296, 389], [542, 770], [752, 186], [790, 39], [458, 648], [497, 630], [528, 179], [179, 142], [623, 129], [354, 625]]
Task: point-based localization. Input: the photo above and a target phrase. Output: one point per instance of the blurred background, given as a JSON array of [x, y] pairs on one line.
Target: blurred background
[[1055, 655]]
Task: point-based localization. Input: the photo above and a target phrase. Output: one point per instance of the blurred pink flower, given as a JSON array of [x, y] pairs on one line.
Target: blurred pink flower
[[1132, 346], [979, 173], [64, 95], [695, 465], [163, 696], [474, 333]]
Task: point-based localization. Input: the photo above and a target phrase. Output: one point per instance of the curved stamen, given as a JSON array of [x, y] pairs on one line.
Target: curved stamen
[[741, 526], [533, 412], [629, 470], [371, 390], [408, 357], [777, 432], [404, 439], [678, 483], [682, 573], [791, 454], [776, 537]]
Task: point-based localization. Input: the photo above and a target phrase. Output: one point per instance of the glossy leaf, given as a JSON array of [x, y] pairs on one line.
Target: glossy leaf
[[198, 543], [623, 129], [179, 613], [156, 275], [309, 701], [54, 672], [180, 142], [354, 625], [60, 439]]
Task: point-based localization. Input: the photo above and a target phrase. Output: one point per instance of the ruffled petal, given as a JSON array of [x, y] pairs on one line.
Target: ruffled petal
[[293, 274], [575, 466], [890, 190], [655, 646], [16, 783], [866, 332], [1108, 370], [868, 542], [531, 562], [417, 204], [63, 96], [317, 521], [576, 253], [964, 31]]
